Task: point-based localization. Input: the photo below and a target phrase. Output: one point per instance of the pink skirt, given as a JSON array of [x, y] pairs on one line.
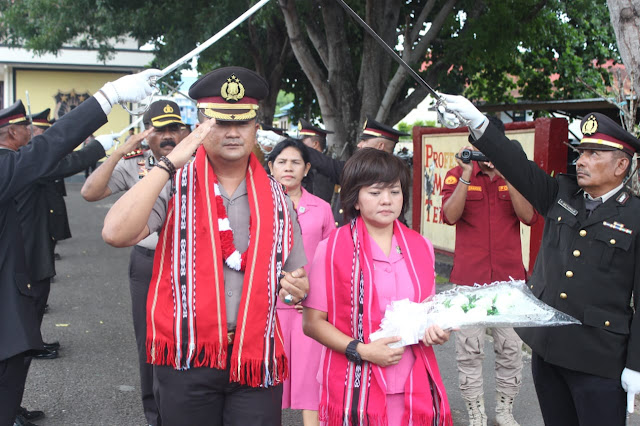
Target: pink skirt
[[301, 391]]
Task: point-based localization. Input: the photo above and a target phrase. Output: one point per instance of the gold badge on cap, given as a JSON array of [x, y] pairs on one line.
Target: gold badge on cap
[[590, 126], [232, 90], [168, 109], [299, 125]]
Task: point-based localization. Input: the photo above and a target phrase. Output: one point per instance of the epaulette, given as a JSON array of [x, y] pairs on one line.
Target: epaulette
[[133, 154]]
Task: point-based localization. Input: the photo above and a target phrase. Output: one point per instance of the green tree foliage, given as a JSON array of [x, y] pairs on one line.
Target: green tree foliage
[[491, 50]]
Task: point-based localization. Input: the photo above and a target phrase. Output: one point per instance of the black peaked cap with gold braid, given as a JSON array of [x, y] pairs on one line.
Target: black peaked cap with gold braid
[[306, 129], [162, 113], [374, 129], [41, 119], [601, 133], [14, 114], [229, 94]]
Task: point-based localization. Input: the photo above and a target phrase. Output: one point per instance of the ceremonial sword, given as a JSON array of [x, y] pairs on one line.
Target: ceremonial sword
[[240, 19], [441, 105]]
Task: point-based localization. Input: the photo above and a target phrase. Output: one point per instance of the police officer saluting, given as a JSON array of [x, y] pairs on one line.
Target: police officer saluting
[[588, 267], [123, 169]]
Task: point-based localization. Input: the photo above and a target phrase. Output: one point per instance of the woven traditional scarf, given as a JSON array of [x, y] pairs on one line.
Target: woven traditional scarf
[[186, 313], [355, 395]]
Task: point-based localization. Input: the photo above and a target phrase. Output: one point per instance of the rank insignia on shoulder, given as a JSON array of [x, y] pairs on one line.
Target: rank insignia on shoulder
[[567, 207], [623, 198], [133, 154], [618, 227]]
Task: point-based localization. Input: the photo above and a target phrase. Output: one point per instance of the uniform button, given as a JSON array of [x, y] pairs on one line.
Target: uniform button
[[569, 274], [531, 286], [387, 270], [559, 218], [336, 223], [29, 286], [607, 323], [563, 295], [612, 241], [231, 202], [50, 211], [341, 211], [576, 253], [583, 233], [229, 293]]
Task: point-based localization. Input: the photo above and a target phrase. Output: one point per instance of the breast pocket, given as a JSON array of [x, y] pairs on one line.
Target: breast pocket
[[612, 242], [560, 221], [474, 195]]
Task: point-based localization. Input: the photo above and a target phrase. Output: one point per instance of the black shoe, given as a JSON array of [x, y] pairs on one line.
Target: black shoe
[[46, 354], [51, 346], [30, 415], [21, 421]]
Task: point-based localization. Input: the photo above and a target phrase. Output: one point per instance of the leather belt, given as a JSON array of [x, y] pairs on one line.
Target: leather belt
[[231, 335], [145, 251]]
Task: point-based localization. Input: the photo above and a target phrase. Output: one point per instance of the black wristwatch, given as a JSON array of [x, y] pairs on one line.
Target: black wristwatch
[[351, 353]]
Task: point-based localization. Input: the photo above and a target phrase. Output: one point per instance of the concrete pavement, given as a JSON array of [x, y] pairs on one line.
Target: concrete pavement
[[95, 380]]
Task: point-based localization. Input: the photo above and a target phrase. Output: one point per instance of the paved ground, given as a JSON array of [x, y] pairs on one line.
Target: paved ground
[[95, 380]]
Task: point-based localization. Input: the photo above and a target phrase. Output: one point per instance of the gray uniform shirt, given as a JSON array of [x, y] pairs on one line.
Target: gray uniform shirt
[[127, 173], [238, 211]]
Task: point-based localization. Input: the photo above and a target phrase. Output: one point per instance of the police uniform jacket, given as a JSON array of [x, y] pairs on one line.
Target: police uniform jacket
[[586, 267], [36, 211], [19, 326]]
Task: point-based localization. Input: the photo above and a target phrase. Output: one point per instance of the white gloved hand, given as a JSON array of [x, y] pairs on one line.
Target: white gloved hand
[[465, 109], [106, 141], [267, 138], [131, 88], [630, 381]]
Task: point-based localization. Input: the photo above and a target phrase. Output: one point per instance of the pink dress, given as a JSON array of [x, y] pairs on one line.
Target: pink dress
[[301, 391], [393, 282]]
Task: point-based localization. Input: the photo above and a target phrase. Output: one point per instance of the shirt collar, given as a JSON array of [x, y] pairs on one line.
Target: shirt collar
[[606, 196], [378, 254]]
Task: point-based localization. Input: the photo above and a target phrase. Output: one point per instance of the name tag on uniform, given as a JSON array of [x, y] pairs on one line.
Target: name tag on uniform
[[503, 188], [567, 207], [475, 188]]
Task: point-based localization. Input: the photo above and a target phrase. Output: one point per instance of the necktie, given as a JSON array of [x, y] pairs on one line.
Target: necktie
[[591, 205]]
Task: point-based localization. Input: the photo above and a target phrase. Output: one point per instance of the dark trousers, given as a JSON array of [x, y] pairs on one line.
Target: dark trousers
[[41, 290], [569, 397], [140, 270], [13, 374], [204, 396]]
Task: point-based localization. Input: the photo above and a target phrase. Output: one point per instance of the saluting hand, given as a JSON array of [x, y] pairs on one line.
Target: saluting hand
[[183, 152], [133, 142]]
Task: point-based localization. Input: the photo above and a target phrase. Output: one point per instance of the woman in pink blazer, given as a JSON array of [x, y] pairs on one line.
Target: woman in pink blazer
[[289, 164]]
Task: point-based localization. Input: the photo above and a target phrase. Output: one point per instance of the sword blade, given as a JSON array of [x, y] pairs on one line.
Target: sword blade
[[390, 51], [240, 19]]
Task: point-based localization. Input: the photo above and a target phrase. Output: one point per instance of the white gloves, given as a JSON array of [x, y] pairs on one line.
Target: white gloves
[[131, 88], [630, 381], [267, 138], [464, 108], [107, 140]]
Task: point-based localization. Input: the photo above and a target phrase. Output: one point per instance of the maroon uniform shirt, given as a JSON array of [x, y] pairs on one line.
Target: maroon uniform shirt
[[488, 232]]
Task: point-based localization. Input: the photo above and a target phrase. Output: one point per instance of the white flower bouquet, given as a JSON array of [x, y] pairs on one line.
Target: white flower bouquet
[[499, 304]]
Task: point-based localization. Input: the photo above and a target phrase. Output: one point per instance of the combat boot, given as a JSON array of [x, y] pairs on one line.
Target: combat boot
[[475, 409], [504, 410]]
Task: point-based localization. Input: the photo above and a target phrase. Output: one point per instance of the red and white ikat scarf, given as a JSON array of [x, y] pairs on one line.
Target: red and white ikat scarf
[[186, 313]]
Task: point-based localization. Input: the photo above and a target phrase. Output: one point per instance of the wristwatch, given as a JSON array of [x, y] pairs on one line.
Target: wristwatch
[[351, 353]]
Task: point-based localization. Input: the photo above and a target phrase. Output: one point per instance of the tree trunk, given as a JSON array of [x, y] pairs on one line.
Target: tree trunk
[[625, 19]]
